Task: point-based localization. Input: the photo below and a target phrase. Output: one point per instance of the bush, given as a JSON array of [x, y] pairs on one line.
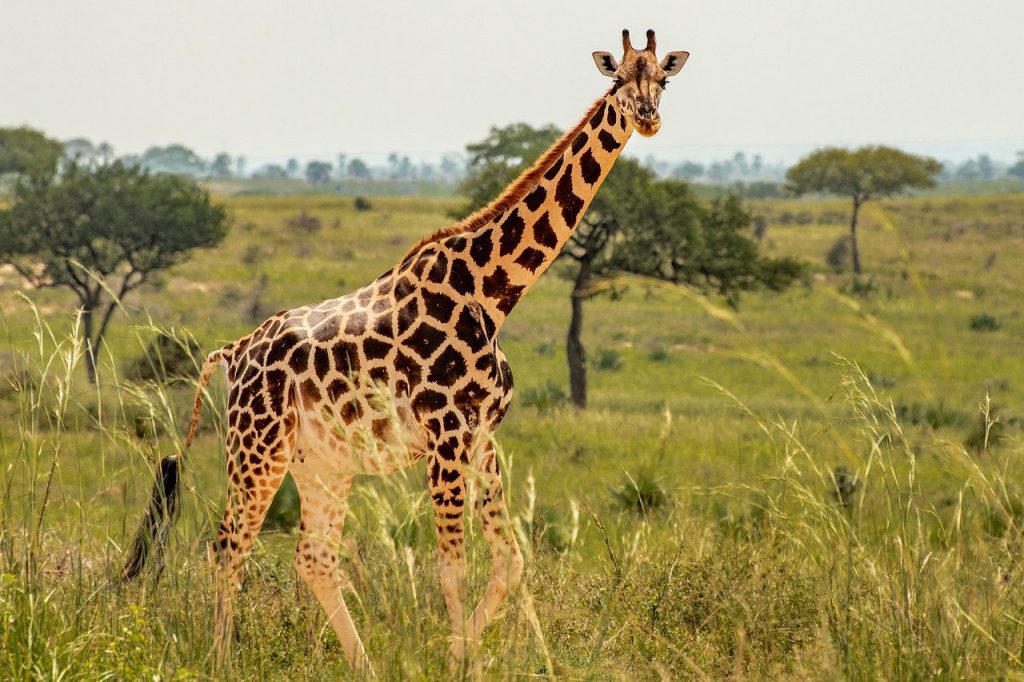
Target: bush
[[547, 396], [165, 359], [641, 493], [845, 485], [545, 348], [659, 354], [363, 204], [983, 322], [860, 287], [284, 511], [255, 307], [1010, 514], [305, 223], [988, 431], [547, 531], [935, 416], [252, 255], [833, 218], [607, 360], [838, 255]]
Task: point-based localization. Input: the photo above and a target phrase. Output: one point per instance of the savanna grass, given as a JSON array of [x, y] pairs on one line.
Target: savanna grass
[[757, 565]]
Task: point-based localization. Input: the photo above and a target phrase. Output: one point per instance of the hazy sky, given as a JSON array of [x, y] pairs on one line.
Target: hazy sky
[[307, 79]]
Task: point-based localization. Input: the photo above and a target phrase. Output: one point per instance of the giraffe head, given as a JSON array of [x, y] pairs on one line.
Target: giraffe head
[[640, 79]]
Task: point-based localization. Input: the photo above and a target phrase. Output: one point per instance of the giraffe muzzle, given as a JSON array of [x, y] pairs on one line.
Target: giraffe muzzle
[[648, 125]]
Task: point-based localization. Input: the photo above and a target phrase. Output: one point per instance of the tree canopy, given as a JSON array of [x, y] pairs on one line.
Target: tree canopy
[[112, 226], [861, 174], [318, 172], [499, 158], [26, 151], [867, 173], [1017, 169], [174, 158]]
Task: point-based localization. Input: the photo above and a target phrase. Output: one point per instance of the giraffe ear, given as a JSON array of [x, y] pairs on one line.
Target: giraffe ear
[[673, 62], [606, 63]]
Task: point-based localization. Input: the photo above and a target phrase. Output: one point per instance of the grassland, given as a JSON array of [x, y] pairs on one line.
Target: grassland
[[726, 426]]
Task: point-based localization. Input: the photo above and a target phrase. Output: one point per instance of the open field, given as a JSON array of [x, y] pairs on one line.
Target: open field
[[752, 564]]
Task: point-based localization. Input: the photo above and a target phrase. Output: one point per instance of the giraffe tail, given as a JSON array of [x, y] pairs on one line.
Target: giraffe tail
[[151, 538]]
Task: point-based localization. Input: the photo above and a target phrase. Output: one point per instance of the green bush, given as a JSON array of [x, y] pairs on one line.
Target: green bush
[[659, 354], [838, 255], [607, 360], [935, 415], [845, 485], [983, 322], [641, 493], [167, 358], [544, 397], [284, 511]]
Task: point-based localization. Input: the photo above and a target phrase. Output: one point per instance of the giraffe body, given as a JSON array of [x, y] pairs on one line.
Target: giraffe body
[[409, 368]]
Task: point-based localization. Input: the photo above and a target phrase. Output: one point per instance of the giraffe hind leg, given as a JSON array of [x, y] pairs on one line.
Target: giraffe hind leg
[[324, 505], [257, 463]]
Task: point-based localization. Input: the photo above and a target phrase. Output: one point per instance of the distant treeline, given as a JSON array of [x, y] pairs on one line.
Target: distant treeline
[[750, 175]]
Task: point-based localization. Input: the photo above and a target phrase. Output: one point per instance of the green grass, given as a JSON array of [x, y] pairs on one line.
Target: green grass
[[748, 567]]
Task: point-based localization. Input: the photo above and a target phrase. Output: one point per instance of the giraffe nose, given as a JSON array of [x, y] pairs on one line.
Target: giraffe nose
[[646, 111]]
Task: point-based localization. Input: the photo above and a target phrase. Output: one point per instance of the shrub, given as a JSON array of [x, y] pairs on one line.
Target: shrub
[[838, 255], [833, 218], [165, 359], [256, 308], [860, 287], [607, 360], [983, 322], [988, 430], [744, 525], [641, 493], [252, 255], [659, 354], [936, 416], [547, 531], [545, 348], [284, 510], [880, 380], [547, 396], [845, 485], [305, 223], [363, 204], [1010, 514]]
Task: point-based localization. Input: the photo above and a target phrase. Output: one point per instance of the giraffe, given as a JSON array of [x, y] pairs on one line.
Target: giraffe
[[406, 368]]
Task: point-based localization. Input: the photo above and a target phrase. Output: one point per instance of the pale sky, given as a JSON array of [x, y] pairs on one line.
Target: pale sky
[[271, 79]]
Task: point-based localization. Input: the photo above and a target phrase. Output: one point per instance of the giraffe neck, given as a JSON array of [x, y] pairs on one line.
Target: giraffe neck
[[510, 252]]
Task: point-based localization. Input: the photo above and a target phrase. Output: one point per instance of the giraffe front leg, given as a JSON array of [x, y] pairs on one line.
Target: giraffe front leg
[[316, 557], [506, 557], [447, 490]]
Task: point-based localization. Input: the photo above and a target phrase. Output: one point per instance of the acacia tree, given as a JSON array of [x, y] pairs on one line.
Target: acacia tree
[[635, 224], [498, 159], [318, 172], [1017, 169], [861, 174], [104, 230], [24, 150]]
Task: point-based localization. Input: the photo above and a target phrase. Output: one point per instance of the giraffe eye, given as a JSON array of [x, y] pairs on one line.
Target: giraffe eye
[[663, 83]]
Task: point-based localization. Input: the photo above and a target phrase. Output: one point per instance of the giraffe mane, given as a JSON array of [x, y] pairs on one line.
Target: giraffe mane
[[516, 191]]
